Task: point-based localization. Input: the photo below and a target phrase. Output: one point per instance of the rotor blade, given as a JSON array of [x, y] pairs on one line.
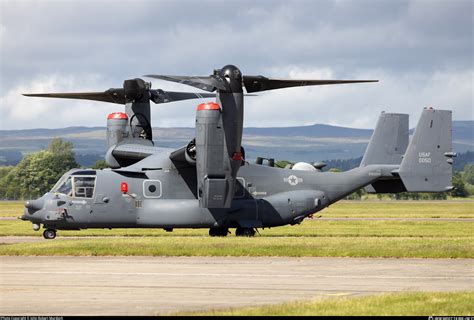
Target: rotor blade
[[118, 96], [170, 96], [261, 83], [208, 83], [113, 95]]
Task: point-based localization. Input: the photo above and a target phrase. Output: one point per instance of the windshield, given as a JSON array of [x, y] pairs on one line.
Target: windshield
[[65, 187], [76, 186], [59, 183]]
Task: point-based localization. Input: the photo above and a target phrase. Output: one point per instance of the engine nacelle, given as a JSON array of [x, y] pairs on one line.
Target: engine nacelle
[[185, 156], [190, 152], [116, 128], [212, 164]]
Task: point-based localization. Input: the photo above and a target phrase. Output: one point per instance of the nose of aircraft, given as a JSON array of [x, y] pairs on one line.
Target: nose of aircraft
[[31, 207], [44, 211], [34, 205]]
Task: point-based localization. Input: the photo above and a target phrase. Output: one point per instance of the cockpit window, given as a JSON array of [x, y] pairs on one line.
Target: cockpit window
[[65, 187], [76, 186], [84, 187]]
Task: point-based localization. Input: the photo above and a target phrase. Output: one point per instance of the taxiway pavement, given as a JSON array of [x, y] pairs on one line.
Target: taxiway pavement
[[160, 285]]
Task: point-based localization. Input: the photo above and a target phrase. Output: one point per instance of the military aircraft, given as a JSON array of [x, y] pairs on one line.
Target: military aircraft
[[209, 184]]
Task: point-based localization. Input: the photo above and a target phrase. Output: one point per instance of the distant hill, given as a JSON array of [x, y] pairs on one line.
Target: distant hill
[[302, 143], [46, 132], [462, 130], [315, 130]]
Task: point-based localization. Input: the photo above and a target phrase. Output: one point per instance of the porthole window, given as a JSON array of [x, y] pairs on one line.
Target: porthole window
[[152, 188]]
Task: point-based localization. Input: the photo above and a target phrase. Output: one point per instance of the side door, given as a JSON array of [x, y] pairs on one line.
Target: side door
[[112, 208], [79, 208]]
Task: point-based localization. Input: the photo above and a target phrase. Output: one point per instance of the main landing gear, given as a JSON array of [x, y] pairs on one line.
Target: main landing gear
[[49, 234], [239, 232], [245, 232], [218, 232]]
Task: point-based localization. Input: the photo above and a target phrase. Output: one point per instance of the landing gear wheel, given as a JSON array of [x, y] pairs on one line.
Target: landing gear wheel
[[218, 232], [49, 234], [244, 232]]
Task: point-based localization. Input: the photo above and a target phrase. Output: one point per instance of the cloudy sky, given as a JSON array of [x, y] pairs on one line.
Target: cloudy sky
[[421, 51]]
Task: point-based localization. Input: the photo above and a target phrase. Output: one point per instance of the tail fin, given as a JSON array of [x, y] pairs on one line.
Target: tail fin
[[426, 166], [389, 140], [387, 146]]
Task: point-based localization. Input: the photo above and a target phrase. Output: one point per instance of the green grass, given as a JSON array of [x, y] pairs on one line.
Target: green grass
[[396, 304], [11, 208], [400, 209], [313, 238], [309, 228], [402, 247]]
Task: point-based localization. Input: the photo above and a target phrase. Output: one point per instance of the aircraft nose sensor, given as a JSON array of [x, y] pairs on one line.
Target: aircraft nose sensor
[[34, 205]]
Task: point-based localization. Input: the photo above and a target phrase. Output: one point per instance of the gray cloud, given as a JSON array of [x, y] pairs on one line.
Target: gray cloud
[[422, 51]]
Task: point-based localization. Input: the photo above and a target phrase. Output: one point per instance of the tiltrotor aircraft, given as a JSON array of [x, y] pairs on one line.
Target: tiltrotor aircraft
[[209, 184]]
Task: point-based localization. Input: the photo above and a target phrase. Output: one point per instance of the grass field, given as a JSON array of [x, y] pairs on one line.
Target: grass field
[[314, 237], [309, 228], [401, 209], [400, 247], [396, 304], [11, 208]]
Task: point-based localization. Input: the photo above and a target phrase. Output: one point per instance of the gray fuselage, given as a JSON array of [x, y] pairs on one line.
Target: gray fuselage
[[164, 196]]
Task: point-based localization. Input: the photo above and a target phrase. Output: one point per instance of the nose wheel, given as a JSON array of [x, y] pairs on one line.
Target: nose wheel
[[49, 234]]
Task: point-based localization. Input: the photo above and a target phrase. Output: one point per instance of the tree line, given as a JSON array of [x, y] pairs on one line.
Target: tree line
[[37, 172]]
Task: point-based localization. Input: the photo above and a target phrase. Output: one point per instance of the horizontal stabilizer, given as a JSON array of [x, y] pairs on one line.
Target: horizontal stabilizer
[[386, 186]]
